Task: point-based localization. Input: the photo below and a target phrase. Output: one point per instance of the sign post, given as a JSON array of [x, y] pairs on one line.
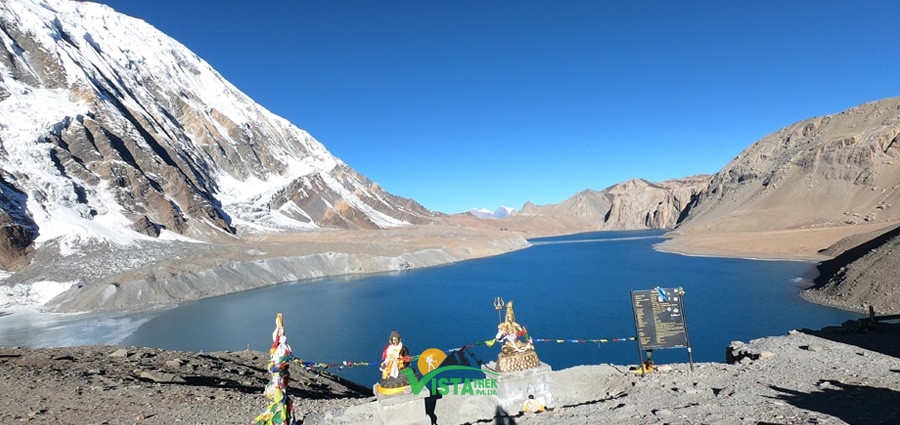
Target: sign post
[[660, 322]]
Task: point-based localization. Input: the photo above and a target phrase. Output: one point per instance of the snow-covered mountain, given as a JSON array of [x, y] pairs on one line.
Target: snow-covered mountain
[[111, 130], [501, 212]]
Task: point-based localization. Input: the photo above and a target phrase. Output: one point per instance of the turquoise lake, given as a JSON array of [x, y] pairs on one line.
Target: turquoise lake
[[573, 287]]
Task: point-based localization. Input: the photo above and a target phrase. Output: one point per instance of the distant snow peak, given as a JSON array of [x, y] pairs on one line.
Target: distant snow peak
[[501, 212]]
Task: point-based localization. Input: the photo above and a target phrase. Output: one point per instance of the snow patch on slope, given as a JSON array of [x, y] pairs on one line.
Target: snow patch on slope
[[31, 296]]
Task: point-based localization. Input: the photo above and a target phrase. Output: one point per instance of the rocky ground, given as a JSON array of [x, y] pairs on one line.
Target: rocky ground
[[840, 375], [124, 385]]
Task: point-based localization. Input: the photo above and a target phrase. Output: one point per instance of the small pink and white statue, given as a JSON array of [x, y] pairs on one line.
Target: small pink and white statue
[[394, 358]]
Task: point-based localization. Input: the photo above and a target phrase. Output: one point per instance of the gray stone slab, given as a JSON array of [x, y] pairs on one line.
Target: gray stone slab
[[401, 409], [514, 388]]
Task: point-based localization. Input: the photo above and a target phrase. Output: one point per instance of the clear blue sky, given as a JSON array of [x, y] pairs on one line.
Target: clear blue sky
[[464, 104]]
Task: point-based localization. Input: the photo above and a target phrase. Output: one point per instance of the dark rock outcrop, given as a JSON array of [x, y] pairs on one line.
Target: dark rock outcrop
[[17, 229], [862, 276]]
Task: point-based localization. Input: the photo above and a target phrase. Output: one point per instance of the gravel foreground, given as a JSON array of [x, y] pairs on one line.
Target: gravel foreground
[[841, 375]]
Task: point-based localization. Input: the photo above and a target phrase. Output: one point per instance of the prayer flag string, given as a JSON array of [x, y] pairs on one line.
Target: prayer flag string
[[490, 343], [591, 341]]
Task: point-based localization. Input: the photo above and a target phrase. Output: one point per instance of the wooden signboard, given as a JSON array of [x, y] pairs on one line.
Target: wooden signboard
[[659, 319]]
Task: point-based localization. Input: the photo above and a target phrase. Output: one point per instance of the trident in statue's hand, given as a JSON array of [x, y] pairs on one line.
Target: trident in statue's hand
[[498, 305]]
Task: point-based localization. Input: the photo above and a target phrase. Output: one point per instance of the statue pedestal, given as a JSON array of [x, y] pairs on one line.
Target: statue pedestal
[[513, 388], [515, 362], [404, 408]]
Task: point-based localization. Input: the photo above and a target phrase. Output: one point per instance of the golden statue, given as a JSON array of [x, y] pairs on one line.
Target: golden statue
[[517, 352], [394, 359]]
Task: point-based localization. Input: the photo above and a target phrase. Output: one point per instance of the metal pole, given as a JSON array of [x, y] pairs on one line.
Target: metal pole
[[637, 330], [687, 339]]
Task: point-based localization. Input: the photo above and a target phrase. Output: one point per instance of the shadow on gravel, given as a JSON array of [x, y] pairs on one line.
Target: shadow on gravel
[[854, 404], [305, 383], [308, 390], [215, 382], [503, 418], [430, 405], [883, 338], [500, 418], [602, 400]]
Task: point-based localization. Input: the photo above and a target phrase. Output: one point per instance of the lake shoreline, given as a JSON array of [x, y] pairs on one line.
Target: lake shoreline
[[358, 249]]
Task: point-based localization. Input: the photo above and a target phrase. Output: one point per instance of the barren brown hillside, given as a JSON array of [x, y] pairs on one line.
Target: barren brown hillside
[[827, 178], [834, 171], [629, 205]]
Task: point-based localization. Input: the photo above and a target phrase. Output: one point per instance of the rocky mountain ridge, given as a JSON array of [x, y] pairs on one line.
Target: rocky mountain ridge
[[111, 130], [630, 205], [134, 174], [837, 174], [832, 180], [837, 170]]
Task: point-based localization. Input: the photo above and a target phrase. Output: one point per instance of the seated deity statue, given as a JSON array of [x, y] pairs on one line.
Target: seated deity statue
[[517, 352]]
